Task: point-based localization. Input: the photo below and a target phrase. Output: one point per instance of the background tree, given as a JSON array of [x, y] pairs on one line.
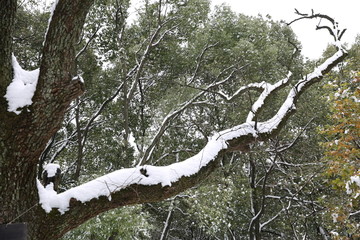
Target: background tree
[[341, 146]]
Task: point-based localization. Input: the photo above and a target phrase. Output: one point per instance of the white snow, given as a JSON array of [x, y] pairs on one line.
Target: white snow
[[52, 9], [51, 169], [353, 179], [334, 217], [152, 175], [166, 175], [21, 90], [78, 78], [268, 88]]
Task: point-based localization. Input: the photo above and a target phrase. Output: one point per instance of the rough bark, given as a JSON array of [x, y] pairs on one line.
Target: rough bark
[[7, 17], [23, 137]]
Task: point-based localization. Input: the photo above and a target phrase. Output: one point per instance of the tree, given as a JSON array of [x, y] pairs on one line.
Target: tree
[[29, 121], [341, 148]]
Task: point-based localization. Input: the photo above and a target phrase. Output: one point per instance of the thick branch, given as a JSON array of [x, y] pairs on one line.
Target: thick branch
[[149, 183]]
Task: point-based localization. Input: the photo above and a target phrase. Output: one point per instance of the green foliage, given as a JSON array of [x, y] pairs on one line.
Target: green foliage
[[124, 223], [31, 25]]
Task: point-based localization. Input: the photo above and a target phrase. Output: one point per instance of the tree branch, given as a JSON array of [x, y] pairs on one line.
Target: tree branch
[[145, 184], [333, 30]]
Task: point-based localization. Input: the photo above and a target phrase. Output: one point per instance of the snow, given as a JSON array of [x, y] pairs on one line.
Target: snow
[[51, 169], [166, 175], [145, 175], [22, 88], [52, 9], [78, 78], [334, 217], [353, 179], [268, 88]]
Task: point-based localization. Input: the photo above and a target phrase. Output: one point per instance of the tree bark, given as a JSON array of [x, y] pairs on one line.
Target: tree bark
[[23, 137], [7, 17]]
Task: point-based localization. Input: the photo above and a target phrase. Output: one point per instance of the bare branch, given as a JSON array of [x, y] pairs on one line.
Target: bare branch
[[199, 61], [87, 43], [99, 111], [333, 29], [167, 120], [288, 146], [140, 64]]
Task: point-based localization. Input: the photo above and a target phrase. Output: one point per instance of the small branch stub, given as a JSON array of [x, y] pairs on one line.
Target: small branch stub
[[52, 174]]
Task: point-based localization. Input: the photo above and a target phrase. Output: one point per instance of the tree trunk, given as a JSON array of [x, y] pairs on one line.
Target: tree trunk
[[23, 137]]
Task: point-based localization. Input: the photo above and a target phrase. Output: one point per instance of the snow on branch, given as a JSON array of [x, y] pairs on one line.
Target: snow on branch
[[267, 90], [180, 174], [288, 105], [21, 90]]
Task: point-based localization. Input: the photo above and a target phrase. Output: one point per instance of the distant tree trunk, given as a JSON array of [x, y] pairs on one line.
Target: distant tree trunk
[[167, 224], [254, 229], [80, 146]]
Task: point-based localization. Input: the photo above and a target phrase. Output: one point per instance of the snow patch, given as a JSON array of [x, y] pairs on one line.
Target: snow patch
[[21, 90], [353, 179], [51, 169], [52, 9]]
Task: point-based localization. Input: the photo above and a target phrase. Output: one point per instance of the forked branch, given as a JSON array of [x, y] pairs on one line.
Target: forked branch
[[152, 183], [333, 29]]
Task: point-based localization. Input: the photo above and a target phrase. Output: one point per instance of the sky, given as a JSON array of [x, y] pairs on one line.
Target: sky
[[314, 42]]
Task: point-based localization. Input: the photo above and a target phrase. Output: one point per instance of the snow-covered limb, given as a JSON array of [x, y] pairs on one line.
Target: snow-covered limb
[[267, 90], [177, 175], [288, 105], [241, 90], [354, 214]]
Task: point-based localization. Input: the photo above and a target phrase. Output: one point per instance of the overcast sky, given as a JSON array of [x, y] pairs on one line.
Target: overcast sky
[[346, 12]]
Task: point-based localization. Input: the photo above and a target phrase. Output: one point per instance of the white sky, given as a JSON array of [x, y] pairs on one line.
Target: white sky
[[346, 12]]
